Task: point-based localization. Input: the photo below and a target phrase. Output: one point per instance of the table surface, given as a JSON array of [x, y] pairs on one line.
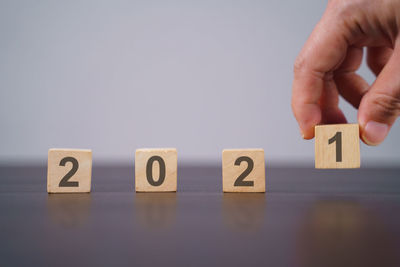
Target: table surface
[[307, 218]]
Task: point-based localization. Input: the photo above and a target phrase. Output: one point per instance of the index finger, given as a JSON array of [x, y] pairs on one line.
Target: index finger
[[324, 51]]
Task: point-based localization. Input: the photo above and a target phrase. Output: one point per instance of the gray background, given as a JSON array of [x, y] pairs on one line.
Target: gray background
[[114, 76]]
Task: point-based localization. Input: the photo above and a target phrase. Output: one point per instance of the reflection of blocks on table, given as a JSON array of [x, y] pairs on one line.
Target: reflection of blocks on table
[[156, 211], [69, 210], [156, 170], [244, 212], [69, 171], [243, 170], [337, 146]]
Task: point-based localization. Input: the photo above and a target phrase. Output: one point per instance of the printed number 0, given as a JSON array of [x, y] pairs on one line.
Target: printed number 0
[[250, 165], [75, 165], [149, 171], [338, 139]]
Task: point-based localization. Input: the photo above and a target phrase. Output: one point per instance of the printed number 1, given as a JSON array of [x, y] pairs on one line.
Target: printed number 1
[[338, 139]]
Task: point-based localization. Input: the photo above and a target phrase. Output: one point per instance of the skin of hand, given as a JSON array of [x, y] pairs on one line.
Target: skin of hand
[[327, 65]]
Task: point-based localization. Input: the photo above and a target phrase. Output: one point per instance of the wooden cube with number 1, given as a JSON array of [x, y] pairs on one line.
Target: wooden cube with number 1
[[337, 146], [69, 171], [243, 170]]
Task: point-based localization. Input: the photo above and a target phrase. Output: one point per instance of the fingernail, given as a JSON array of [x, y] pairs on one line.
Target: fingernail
[[375, 132], [302, 133]]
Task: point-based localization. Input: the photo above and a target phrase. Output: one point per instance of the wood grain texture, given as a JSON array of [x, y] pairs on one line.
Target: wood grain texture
[[56, 172], [325, 153], [231, 171], [170, 158]]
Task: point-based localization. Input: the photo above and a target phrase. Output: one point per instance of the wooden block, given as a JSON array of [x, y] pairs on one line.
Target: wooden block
[[156, 170], [243, 170], [69, 171], [337, 146]]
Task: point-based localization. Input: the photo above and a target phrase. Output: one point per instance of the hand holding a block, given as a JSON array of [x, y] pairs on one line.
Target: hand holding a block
[[327, 66]]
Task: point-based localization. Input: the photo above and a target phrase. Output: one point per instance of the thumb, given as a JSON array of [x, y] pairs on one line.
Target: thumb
[[380, 106]]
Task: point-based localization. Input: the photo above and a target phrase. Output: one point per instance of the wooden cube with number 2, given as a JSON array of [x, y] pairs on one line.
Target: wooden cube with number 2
[[337, 146], [69, 171], [243, 170]]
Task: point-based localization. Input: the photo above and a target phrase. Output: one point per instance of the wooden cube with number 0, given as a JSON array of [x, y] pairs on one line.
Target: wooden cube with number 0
[[156, 170], [69, 171], [243, 170], [337, 146]]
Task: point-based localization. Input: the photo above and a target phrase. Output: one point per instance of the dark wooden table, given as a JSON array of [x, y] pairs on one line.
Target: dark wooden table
[[307, 218]]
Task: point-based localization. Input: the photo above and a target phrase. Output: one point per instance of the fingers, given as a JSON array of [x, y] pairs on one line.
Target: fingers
[[377, 57], [351, 86], [329, 104], [380, 106], [322, 53]]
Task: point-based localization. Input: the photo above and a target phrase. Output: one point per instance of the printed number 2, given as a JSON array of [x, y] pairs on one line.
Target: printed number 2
[[338, 139], [250, 165], [75, 165]]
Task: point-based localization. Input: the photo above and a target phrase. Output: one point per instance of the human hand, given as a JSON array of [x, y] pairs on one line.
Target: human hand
[[327, 65]]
